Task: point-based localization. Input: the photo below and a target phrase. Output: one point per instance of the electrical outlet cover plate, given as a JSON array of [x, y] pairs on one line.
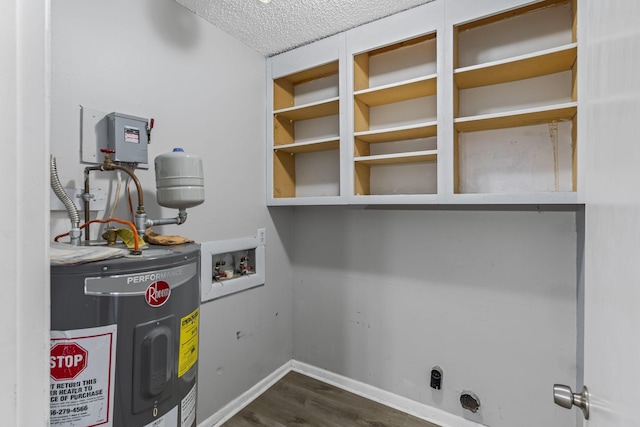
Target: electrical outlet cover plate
[[212, 289]]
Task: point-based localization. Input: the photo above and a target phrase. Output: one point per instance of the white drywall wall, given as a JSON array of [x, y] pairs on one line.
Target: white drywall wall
[[611, 89], [206, 91], [24, 113], [381, 296]]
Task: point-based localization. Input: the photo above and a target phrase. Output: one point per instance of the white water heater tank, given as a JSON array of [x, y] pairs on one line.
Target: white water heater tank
[[179, 180]]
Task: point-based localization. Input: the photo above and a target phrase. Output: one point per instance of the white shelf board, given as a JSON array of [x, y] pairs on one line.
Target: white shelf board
[[396, 199], [528, 198], [312, 110], [515, 118], [399, 91], [306, 201], [399, 158], [535, 64], [399, 133], [325, 144]]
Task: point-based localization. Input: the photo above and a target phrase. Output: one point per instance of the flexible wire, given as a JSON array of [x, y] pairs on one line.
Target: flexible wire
[[129, 200], [117, 195]]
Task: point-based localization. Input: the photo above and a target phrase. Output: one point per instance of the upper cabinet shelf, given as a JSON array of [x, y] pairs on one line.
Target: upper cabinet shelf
[[537, 64], [325, 144], [395, 98], [305, 76], [400, 133], [472, 103], [398, 92], [304, 116], [515, 101], [528, 117], [399, 158], [312, 110]]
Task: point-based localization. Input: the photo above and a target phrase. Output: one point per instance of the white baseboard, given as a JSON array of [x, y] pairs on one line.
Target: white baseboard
[[245, 398], [417, 409]]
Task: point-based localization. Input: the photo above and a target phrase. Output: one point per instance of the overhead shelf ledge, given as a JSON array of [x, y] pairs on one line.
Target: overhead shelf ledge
[[314, 110], [528, 117], [536, 64], [397, 92], [326, 144], [400, 133], [399, 158], [314, 73]]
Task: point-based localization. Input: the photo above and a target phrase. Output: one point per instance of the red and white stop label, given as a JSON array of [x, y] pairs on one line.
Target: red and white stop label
[[67, 361]]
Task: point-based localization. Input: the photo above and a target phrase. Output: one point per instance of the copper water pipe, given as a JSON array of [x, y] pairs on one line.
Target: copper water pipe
[[108, 165]]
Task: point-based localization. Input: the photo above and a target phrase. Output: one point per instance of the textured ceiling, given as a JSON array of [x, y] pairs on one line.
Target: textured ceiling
[[284, 24]]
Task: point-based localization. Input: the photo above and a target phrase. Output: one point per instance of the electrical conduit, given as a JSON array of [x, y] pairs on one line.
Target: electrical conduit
[[72, 210]]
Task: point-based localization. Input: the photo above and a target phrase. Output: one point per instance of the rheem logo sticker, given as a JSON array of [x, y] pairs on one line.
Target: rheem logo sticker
[[157, 293], [67, 361]]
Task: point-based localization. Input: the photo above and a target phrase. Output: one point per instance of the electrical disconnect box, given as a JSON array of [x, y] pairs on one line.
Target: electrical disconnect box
[[127, 138]]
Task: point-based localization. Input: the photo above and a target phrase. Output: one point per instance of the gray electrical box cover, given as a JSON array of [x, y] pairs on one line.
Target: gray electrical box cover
[[127, 135]]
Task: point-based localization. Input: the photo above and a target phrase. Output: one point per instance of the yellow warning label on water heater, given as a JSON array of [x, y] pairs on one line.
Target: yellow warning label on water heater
[[188, 342]]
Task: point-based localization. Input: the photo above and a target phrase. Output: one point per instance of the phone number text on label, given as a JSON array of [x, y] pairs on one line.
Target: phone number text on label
[[66, 411]]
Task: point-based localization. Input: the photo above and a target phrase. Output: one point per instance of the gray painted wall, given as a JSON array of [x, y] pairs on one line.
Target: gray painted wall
[[206, 91], [381, 296]]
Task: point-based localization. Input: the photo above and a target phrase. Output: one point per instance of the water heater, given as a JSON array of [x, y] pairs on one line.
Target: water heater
[[124, 340]]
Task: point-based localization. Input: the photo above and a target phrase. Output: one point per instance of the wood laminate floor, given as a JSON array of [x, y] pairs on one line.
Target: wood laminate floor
[[298, 400]]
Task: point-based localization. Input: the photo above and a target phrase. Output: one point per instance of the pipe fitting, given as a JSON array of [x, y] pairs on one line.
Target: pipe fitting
[[180, 219], [75, 236], [182, 216], [141, 222], [110, 235]]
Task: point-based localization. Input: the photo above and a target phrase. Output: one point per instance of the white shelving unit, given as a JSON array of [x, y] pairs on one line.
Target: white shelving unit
[[525, 56], [475, 104], [305, 125], [393, 85]]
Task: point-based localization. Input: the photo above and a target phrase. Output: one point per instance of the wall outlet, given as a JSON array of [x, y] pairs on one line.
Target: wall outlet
[[436, 378], [262, 236]]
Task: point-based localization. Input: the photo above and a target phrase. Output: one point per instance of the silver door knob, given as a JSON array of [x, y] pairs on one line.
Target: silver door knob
[[563, 396]]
